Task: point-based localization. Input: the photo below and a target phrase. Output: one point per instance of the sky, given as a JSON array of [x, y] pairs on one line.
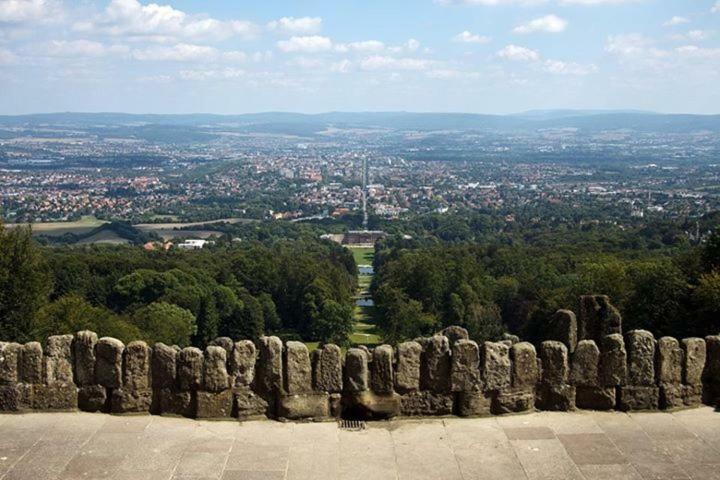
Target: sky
[[475, 56]]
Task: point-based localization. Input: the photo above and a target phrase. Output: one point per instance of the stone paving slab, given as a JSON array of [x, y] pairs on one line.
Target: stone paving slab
[[545, 445]]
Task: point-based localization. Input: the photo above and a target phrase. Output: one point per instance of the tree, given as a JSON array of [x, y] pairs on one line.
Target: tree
[[25, 283], [711, 251], [165, 322], [333, 324], [706, 301]]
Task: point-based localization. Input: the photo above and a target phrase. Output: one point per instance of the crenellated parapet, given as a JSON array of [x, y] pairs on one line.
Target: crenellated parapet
[[590, 366]]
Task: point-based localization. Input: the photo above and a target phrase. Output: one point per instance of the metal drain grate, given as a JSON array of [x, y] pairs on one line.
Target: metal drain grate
[[352, 425]]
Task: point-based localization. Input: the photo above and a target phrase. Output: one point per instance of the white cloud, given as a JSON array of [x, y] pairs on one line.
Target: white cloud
[[292, 25], [6, 56], [380, 62], [343, 66], [716, 7], [632, 46], [28, 11], [412, 45], [490, 3], [693, 51], [548, 23], [468, 37], [162, 22], [222, 74], [364, 46], [676, 21], [74, 49], [306, 44], [596, 2], [181, 52], [305, 62], [518, 54], [558, 67]]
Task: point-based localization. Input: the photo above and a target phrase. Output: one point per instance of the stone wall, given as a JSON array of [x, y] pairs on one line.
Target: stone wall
[[590, 364]]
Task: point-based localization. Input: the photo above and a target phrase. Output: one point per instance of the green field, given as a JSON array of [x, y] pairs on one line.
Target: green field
[[85, 225], [363, 256]]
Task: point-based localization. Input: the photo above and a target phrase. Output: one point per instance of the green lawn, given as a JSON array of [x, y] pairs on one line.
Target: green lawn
[[363, 256]]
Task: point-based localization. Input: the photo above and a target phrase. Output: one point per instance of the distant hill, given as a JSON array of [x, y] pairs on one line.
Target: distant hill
[[181, 126]]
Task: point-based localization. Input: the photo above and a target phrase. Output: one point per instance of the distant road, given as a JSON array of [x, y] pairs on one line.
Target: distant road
[[179, 225]]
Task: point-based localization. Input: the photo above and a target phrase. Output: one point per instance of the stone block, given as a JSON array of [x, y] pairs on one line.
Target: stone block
[[556, 368], [172, 402], [269, 368], [56, 396], [84, 351], [613, 361], [435, 364], [563, 328], [242, 363], [92, 398], [335, 405], [670, 396], [509, 337], [556, 397], [371, 406], [426, 403], [692, 395], [669, 361], [356, 370], [190, 365], [225, 343], [298, 372], [312, 406], [249, 405], [131, 401], [164, 366], [513, 401], [634, 397], [473, 403], [10, 398], [595, 398], [327, 369], [136, 366], [407, 375], [108, 364], [9, 362], [31, 363], [694, 358], [214, 404], [598, 318], [495, 365], [382, 371], [465, 366], [585, 362], [641, 358], [215, 376], [454, 333], [525, 371], [57, 366]]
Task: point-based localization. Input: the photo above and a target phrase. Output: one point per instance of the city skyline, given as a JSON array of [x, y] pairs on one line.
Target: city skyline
[[476, 56]]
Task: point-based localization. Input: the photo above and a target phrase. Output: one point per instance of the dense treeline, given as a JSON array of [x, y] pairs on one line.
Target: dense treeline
[[301, 288], [421, 286]]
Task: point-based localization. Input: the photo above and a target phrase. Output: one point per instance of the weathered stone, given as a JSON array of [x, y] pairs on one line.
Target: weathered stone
[[426, 403], [465, 366], [563, 328], [669, 361], [595, 398], [335, 405], [407, 375], [190, 364], [473, 403], [84, 352], [694, 357], [670, 396], [382, 374], [371, 406], [711, 373], [513, 401], [315, 406], [613, 361], [55, 396], [242, 363], [136, 366], [57, 366], [249, 405], [10, 398], [226, 343], [164, 366], [495, 365], [509, 337], [598, 318], [108, 365], [31, 363], [435, 364], [172, 402], [525, 372], [638, 398], [92, 398], [298, 372], [556, 397], [585, 360], [356, 370], [214, 404], [215, 376], [268, 370], [327, 369], [455, 333], [554, 356], [124, 400], [692, 395], [9, 362], [641, 358]]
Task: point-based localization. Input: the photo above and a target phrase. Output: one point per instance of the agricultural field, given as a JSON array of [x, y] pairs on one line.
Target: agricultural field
[[85, 225]]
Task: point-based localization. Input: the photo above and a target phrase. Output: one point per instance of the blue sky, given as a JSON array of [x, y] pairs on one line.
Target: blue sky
[[236, 56]]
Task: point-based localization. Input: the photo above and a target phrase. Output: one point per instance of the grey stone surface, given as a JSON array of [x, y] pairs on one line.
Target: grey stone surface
[[598, 318], [525, 371], [513, 401], [641, 358], [108, 364], [214, 404], [669, 361], [164, 366], [298, 371], [563, 328], [190, 365], [372, 406], [327, 369], [455, 333], [127, 400], [215, 375], [555, 364], [9, 362], [595, 398], [269, 368], [249, 405], [136, 366], [465, 373], [613, 361], [495, 365], [435, 365], [315, 406], [31, 363], [242, 363], [407, 374], [556, 397], [57, 361], [694, 357], [84, 351], [585, 363], [632, 397], [474, 404], [426, 403], [92, 398], [382, 370], [356, 370]]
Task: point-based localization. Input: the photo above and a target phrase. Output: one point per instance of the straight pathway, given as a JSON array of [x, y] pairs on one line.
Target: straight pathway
[[545, 445]]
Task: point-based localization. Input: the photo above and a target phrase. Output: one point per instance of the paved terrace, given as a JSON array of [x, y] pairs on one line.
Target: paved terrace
[[580, 445]]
